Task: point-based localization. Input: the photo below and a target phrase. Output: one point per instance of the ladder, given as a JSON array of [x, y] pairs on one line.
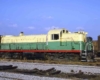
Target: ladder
[[83, 57]]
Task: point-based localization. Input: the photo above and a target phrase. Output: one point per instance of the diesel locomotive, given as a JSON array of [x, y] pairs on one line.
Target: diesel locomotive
[[56, 44]]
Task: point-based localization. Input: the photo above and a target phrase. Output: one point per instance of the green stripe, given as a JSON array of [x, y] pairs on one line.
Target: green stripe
[[66, 45], [51, 45]]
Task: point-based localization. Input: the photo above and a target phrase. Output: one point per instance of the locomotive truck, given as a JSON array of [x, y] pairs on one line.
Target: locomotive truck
[[56, 44]]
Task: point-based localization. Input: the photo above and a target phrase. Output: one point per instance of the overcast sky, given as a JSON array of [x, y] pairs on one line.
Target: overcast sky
[[38, 16]]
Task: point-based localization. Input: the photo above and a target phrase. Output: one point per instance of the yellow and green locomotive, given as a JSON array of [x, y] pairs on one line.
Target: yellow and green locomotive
[[57, 43]]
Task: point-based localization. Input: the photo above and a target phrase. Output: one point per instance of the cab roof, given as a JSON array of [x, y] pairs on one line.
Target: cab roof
[[56, 31]]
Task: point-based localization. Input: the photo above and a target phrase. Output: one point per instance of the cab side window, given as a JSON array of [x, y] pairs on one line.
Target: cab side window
[[55, 36]]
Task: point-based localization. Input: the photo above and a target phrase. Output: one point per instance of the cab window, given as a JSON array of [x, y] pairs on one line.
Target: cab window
[[55, 36]]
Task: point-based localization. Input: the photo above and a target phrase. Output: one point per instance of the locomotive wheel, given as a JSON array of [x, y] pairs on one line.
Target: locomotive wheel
[[20, 57], [51, 57], [71, 57], [48, 57], [24, 58]]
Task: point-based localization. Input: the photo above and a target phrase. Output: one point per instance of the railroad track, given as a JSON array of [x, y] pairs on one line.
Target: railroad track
[[96, 63]]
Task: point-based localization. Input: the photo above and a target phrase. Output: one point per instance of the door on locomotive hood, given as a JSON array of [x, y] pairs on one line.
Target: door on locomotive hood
[[66, 41], [63, 40], [40, 44]]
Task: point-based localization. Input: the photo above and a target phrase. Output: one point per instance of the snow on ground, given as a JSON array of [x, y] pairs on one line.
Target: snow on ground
[[44, 66], [14, 76]]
